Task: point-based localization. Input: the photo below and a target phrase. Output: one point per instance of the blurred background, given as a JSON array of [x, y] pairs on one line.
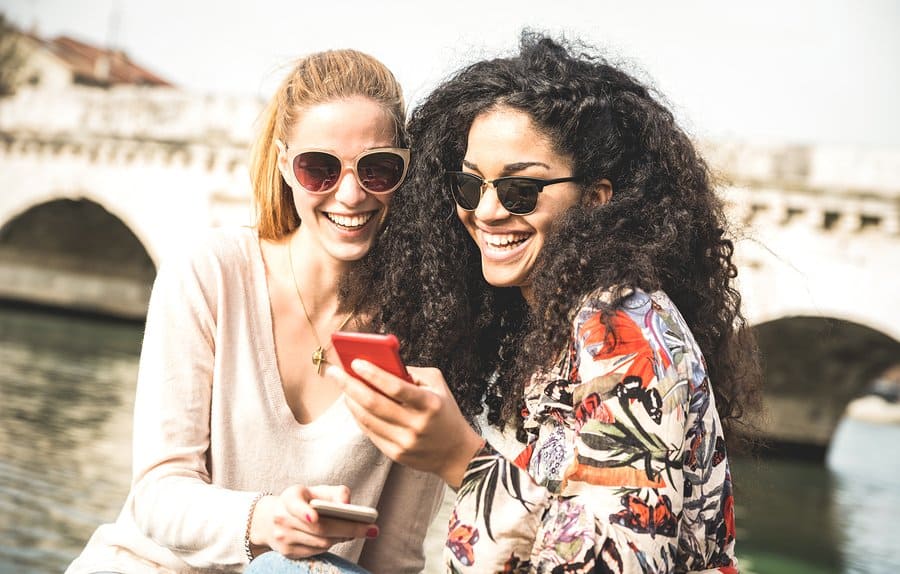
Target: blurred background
[[124, 132]]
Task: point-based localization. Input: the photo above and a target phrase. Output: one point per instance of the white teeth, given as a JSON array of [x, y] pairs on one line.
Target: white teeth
[[504, 240], [350, 221]]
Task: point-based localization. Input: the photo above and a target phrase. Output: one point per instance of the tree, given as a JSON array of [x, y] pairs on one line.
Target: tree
[[11, 58]]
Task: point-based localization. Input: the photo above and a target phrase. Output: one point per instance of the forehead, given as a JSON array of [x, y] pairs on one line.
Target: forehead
[[356, 122], [505, 135]]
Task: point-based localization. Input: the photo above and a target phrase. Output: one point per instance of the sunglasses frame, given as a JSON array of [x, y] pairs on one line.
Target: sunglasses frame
[[353, 166], [541, 183]]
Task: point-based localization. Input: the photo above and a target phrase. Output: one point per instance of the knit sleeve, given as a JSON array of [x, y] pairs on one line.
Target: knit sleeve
[[174, 502]]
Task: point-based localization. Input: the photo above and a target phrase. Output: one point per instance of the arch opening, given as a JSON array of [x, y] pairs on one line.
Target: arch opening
[[75, 255], [813, 367]]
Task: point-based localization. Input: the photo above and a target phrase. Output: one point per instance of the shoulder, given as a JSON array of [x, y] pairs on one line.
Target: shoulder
[[217, 248], [630, 318], [629, 304], [213, 262]]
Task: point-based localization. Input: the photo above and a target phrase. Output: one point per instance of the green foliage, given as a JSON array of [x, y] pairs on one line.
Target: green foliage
[[11, 58]]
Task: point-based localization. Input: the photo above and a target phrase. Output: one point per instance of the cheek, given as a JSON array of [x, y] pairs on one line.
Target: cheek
[[385, 199], [466, 217], [301, 199], [543, 225], [305, 202]]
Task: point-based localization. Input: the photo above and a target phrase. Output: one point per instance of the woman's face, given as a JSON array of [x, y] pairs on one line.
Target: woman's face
[[344, 222], [504, 142]]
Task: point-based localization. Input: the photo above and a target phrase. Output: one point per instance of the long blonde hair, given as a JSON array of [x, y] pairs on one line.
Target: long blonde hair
[[318, 78]]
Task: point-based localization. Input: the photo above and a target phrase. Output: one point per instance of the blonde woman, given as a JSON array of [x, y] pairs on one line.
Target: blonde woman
[[235, 428]]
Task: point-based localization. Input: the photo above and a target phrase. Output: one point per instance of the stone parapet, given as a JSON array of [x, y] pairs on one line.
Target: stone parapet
[[132, 112], [820, 169]]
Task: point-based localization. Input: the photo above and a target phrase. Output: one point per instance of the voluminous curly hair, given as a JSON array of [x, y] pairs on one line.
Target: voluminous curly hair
[[663, 228]]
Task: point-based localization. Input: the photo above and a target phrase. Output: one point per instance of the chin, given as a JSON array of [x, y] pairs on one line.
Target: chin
[[501, 278], [351, 255]]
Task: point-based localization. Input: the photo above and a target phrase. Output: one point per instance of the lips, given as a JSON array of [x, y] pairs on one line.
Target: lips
[[350, 222], [503, 246], [504, 240]]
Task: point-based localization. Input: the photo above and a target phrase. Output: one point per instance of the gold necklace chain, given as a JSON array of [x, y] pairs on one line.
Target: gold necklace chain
[[318, 356]]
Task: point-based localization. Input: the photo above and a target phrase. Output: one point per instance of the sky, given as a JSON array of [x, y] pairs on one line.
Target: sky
[[766, 71]]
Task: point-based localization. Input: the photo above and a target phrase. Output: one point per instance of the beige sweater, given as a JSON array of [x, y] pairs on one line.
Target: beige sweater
[[212, 428]]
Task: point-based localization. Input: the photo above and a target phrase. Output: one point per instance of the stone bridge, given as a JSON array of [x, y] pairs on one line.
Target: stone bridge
[[97, 185], [819, 271]]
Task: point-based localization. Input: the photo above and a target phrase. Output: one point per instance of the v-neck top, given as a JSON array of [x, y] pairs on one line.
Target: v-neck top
[[212, 428]]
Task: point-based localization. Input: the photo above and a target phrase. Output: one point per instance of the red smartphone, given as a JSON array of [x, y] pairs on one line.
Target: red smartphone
[[377, 348]]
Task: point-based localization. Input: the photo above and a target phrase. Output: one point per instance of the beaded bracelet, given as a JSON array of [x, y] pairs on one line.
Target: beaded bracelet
[[253, 503]]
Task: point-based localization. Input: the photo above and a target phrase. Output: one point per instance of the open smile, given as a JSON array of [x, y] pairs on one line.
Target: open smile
[[352, 222], [503, 246]]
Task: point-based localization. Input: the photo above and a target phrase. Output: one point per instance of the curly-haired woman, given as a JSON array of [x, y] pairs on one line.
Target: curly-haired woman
[[609, 332]]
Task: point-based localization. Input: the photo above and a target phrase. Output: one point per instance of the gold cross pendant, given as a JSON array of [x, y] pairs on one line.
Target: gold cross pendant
[[318, 359]]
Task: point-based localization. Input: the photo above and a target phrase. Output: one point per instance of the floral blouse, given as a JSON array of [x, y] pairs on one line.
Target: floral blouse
[[624, 469]]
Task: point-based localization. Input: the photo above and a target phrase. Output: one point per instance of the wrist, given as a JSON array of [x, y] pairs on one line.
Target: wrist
[[259, 525], [457, 464]]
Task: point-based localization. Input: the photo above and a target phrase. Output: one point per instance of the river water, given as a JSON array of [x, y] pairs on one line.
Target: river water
[[66, 397]]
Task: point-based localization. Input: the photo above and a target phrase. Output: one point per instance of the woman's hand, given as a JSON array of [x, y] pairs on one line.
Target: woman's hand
[[418, 425], [289, 525]]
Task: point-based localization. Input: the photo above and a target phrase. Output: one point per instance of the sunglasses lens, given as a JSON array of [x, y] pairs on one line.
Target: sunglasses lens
[[466, 189], [518, 196], [381, 171], [317, 171]]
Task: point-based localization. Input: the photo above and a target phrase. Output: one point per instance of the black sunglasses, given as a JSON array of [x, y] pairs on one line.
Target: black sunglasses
[[518, 195]]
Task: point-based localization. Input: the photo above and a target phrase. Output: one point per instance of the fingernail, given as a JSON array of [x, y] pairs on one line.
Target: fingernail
[[372, 532], [309, 517]]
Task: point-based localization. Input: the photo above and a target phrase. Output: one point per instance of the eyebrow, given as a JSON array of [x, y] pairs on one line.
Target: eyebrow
[[509, 168]]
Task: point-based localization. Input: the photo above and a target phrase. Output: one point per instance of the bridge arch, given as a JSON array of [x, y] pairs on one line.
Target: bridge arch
[[813, 366], [76, 254]]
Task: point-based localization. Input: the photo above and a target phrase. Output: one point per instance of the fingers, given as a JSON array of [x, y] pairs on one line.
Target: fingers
[[384, 433], [298, 530], [383, 381], [298, 539], [379, 385], [408, 423], [373, 400]]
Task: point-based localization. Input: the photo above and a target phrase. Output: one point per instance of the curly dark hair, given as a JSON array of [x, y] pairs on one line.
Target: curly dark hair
[[663, 229]]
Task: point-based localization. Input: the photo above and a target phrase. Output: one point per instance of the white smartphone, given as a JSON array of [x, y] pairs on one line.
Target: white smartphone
[[354, 512]]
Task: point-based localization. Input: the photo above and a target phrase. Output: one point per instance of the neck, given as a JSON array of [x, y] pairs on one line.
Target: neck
[[317, 275]]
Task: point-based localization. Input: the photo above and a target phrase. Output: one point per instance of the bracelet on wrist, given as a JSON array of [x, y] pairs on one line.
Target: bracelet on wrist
[[247, 544]]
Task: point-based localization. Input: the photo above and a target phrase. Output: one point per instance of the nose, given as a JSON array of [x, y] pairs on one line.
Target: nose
[[349, 192], [489, 207]]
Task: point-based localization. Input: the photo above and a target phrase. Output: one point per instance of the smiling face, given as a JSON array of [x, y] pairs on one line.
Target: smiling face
[[341, 224], [504, 142]]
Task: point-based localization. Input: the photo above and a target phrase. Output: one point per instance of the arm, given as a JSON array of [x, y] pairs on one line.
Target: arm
[[174, 500], [174, 503], [611, 478], [418, 425], [611, 428]]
